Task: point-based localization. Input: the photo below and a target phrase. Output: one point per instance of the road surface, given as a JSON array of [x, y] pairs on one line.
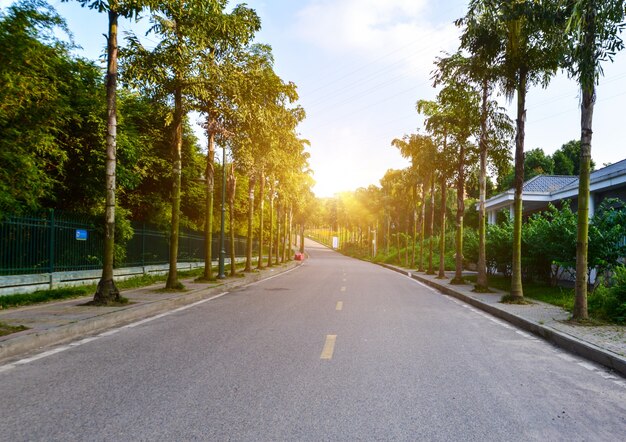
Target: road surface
[[337, 349]]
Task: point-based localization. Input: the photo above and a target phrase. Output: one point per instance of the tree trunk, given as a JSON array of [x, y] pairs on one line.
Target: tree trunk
[[259, 264], [249, 239], [388, 233], [481, 277], [431, 270], [232, 187], [107, 292], [172, 277], [302, 238], [269, 253], [460, 210], [442, 234], [516, 273], [208, 216], [582, 238], [290, 246], [422, 228], [278, 232]]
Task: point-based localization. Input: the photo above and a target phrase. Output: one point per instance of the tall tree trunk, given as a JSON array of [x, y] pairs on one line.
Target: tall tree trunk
[[481, 277], [107, 291], [388, 233], [208, 214], [259, 264], [172, 277], [286, 233], [442, 234], [582, 238], [278, 231], [302, 238], [431, 227], [232, 187], [271, 241], [460, 210], [414, 240], [290, 247], [516, 274], [422, 228], [249, 239]]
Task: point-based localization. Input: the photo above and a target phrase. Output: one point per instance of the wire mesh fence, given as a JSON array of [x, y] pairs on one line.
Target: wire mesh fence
[[55, 242]]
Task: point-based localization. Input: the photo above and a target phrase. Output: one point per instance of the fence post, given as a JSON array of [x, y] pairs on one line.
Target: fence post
[[143, 246], [51, 238]]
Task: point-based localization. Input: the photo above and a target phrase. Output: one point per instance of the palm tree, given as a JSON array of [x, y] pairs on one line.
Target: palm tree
[[593, 31], [531, 55]]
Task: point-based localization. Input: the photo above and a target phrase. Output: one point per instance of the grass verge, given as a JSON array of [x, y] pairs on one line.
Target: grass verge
[[6, 329]]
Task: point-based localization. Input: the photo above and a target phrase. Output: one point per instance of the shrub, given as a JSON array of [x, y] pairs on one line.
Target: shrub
[[610, 302]]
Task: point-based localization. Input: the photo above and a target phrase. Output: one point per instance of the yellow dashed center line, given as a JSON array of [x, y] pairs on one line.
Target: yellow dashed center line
[[339, 306], [329, 347]]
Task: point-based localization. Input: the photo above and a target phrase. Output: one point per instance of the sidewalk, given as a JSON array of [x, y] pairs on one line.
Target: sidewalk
[[605, 345], [59, 322]]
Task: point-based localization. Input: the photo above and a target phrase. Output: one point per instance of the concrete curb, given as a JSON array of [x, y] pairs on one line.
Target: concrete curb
[[562, 340], [23, 344]]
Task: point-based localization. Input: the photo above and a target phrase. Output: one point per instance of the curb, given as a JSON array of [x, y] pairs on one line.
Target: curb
[[20, 345], [562, 340]]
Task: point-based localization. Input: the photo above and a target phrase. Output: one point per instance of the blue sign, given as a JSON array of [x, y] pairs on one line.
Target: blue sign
[[81, 235]]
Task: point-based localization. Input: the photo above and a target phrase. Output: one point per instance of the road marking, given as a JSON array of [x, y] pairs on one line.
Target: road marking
[[343, 289], [104, 334], [339, 306], [329, 347], [344, 279]]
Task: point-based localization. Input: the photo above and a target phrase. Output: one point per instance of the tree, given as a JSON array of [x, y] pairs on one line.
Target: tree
[[533, 50], [593, 30], [223, 69], [107, 292], [421, 151], [440, 120], [536, 162], [462, 103], [481, 40], [168, 71], [35, 104], [567, 159]]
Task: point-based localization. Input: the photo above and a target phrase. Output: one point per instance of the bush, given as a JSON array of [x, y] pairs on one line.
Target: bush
[[610, 302]]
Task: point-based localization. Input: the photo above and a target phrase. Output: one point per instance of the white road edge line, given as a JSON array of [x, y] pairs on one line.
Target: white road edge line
[[111, 332]]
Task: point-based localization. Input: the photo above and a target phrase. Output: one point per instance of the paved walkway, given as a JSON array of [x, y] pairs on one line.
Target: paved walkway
[[603, 344], [58, 322]]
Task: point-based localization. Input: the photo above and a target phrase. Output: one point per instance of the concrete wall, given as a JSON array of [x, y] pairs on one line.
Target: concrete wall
[[15, 284]]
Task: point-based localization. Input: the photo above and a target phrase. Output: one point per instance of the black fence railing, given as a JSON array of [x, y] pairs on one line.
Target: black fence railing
[[56, 242]]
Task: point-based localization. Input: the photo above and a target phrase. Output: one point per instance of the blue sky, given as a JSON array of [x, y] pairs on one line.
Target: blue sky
[[360, 67]]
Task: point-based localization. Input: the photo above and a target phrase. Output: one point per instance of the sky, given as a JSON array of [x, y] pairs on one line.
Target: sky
[[360, 67]]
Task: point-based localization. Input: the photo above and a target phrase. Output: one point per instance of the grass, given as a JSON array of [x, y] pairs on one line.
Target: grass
[[559, 296], [6, 329]]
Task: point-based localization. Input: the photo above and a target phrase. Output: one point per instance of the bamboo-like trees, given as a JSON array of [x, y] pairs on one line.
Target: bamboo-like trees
[[594, 28]]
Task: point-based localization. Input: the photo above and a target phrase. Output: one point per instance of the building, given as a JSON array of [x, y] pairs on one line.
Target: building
[[538, 192]]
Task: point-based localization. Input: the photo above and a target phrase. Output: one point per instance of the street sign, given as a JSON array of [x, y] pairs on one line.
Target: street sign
[[81, 235]]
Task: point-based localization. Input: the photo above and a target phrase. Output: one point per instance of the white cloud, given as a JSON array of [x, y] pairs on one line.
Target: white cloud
[[396, 30]]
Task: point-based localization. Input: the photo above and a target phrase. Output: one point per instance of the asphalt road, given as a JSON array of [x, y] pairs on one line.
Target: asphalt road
[[336, 349]]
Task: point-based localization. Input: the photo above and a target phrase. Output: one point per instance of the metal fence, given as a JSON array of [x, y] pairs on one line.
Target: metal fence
[[56, 242]]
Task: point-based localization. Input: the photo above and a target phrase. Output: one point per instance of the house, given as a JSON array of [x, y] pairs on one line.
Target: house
[[538, 192]]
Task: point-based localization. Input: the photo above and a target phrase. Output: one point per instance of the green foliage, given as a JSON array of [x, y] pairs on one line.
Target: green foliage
[[549, 243], [609, 302], [35, 105], [536, 162], [607, 236], [500, 247]]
